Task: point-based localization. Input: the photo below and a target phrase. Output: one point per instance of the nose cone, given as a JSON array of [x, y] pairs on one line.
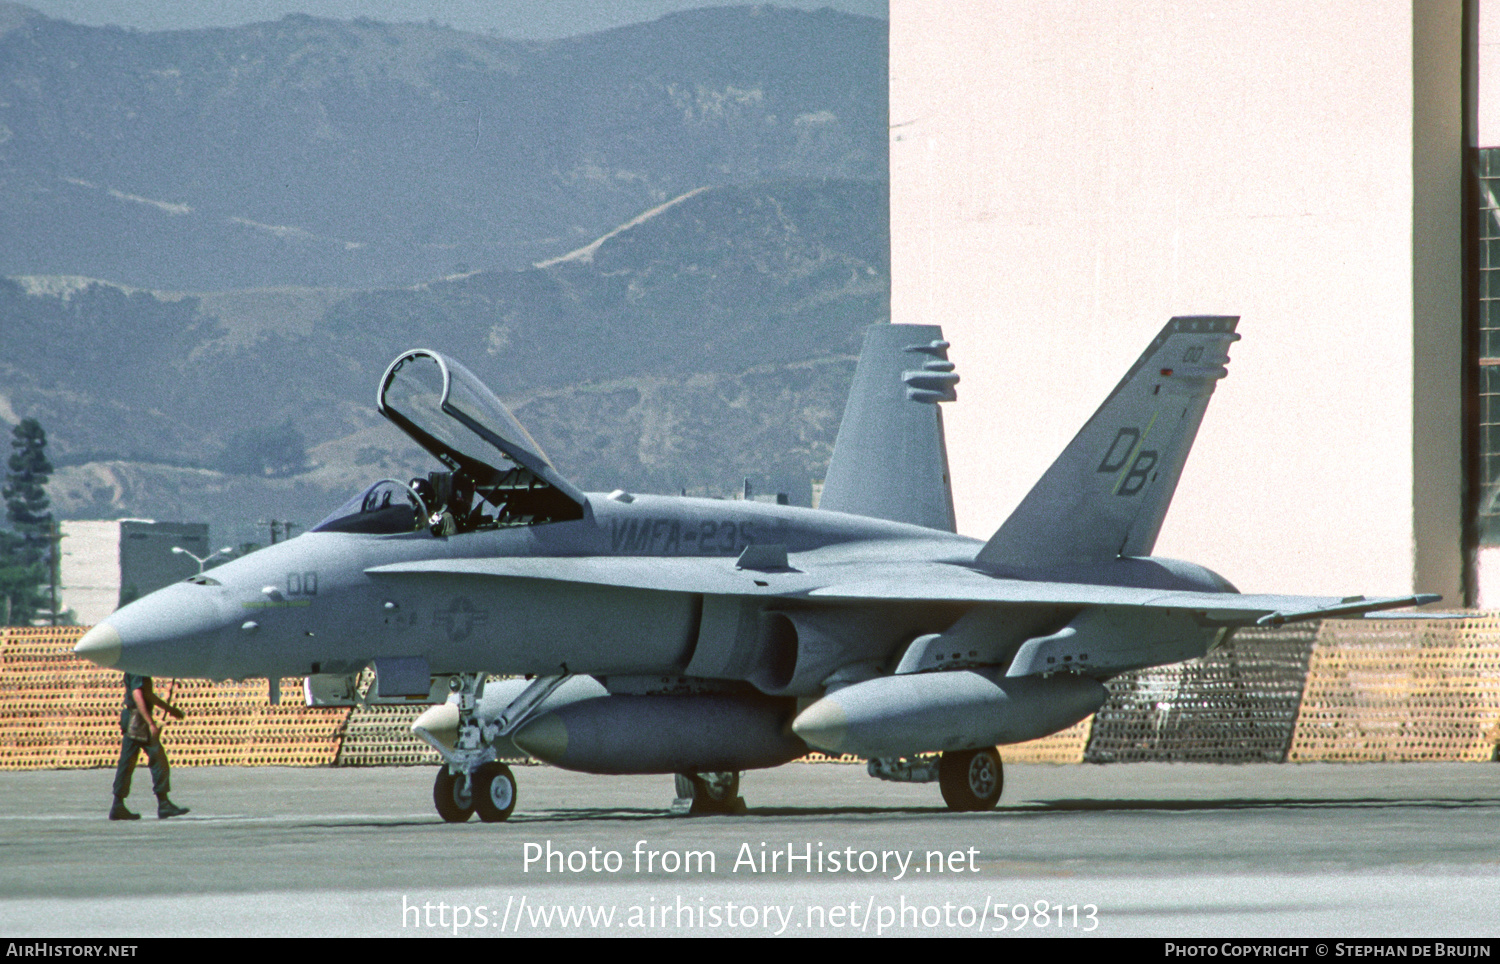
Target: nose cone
[[100, 645], [545, 738], [438, 727], [823, 725], [168, 633]]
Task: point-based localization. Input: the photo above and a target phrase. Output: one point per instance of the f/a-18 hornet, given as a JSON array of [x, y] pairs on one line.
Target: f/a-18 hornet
[[699, 637]]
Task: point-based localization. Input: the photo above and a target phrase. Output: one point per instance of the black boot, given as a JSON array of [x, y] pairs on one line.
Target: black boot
[[119, 812], [166, 808]]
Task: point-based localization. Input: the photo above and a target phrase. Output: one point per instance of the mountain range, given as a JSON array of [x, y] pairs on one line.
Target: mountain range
[[658, 244], [330, 153]]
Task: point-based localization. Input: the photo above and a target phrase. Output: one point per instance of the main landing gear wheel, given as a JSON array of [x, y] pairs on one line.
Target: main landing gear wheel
[[711, 792], [494, 792], [455, 804], [971, 779]]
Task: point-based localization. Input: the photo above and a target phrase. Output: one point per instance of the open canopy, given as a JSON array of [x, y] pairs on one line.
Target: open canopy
[[450, 413]]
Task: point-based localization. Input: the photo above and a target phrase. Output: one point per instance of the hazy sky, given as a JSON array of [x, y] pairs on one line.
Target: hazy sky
[[519, 19]]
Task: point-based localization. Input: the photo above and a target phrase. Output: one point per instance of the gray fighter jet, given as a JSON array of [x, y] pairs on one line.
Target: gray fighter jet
[[701, 638]]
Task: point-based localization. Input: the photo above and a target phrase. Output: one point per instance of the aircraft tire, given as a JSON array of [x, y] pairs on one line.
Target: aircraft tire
[[494, 792], [711, 792], [453, 804], [971, 780]]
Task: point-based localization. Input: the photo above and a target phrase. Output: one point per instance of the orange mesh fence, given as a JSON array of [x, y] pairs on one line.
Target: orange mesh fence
[[1349, 690], [57, 711], [1402, 690], [1238, 704]]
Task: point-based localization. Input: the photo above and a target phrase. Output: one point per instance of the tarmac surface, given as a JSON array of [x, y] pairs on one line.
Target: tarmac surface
[[1316, 851]]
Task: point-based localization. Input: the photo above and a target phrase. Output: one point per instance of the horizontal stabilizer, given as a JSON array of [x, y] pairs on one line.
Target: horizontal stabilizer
[[1348, 607]]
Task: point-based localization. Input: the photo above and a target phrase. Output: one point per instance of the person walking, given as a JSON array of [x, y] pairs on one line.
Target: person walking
[[140, 731]]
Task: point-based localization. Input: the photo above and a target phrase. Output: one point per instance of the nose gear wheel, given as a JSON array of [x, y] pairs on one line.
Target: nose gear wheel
[[453, 797], [494, 792]]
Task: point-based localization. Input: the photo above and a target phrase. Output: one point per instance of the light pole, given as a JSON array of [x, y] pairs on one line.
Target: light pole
[[179, 551]]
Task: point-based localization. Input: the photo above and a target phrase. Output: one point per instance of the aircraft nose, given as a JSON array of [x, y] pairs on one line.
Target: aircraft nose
[[100, 645], [169, 632]]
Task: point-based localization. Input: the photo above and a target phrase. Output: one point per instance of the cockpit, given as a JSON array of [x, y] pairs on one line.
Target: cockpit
[[386, 508], [497, 476]]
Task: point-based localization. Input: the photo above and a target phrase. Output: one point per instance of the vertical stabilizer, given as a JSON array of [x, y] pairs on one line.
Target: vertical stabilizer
[[890, 461], [1108, 492]]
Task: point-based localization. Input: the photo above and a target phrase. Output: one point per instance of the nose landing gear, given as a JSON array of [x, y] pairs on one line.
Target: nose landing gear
[[452, 796], [490, 792], [472, 779], [494, 792]]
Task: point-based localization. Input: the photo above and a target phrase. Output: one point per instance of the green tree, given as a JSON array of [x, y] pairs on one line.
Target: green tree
[[26, 547]]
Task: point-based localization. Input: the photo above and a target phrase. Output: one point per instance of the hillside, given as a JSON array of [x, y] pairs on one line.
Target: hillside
[[311, 152], [711, 341], [658, 243]]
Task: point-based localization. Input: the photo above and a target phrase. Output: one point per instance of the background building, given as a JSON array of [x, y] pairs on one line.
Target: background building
[[1065, 178], [106, 564]]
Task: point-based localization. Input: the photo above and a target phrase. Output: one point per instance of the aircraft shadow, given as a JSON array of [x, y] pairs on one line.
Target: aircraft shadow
[[639, 814], [1034, 808], [1260, 803], [1027, 809]]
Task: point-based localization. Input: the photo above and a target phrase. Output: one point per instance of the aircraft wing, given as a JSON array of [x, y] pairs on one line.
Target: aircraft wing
[[1229, 609], [917, 583], [711, 576]]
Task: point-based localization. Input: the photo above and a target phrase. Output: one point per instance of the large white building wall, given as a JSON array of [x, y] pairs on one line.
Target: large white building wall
[[1065, 177], [1487, 108], [89, 569]]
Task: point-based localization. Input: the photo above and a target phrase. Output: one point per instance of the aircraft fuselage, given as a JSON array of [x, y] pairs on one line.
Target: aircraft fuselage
[[310, 605]]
